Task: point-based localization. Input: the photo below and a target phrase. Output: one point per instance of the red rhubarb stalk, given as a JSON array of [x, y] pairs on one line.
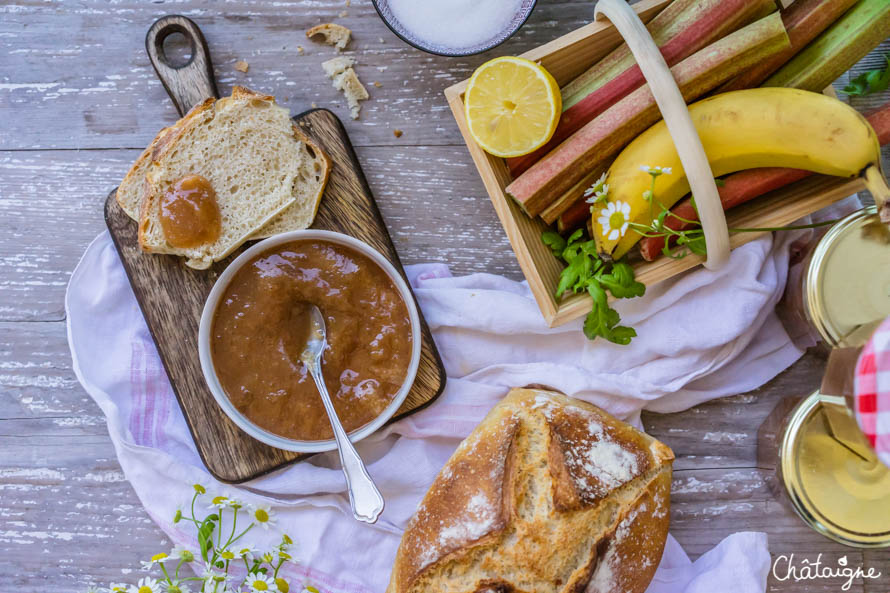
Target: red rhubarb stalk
[[744, 186], [804, 20], [606, 134], [712, 20]]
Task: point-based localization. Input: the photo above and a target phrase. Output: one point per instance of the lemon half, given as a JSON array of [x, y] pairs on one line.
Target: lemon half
[[512, 106]]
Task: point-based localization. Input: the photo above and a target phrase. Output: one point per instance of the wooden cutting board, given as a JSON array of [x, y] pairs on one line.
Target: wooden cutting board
[[172, 295]]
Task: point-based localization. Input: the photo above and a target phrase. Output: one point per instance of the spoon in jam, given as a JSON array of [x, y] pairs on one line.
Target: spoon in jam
[[364, 497]]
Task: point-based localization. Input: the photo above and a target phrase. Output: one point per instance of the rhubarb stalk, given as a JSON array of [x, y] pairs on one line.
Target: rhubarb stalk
[[804, 20], [698, 24], [835, 51], [744, 186], [606, 134]]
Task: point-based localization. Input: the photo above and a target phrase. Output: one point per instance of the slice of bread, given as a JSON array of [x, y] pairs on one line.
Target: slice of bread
[[129, 192], [314, 167], [332, 34], [344, 78], [257, 162]]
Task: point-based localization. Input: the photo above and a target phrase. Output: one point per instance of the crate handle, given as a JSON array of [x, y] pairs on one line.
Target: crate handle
[[679, 123]]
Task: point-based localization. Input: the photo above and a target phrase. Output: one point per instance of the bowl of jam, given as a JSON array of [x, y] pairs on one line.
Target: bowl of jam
[[254, 327]]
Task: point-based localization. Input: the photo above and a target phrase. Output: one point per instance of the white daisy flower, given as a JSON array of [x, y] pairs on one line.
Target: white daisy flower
[[273, 556], [259, 583], [249, 552], [597, 191], [263, 515], [214, 575], [175, 587], [159, 558], [614, 220], [117, 588], [220, 502], [655, 171], [146, 585], [182, 553]]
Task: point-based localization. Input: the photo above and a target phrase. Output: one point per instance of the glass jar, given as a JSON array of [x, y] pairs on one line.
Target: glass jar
[[833, 478]]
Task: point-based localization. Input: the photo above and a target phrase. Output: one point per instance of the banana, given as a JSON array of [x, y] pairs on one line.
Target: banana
[[765, 127]]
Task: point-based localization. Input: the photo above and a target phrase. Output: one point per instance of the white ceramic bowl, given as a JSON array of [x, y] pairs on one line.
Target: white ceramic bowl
[[207, 360]]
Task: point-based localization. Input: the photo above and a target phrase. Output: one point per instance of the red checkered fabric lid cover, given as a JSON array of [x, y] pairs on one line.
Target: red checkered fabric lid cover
[[872, 391]]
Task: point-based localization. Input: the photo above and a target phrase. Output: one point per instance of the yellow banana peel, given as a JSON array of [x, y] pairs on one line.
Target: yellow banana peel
[[765, 127]]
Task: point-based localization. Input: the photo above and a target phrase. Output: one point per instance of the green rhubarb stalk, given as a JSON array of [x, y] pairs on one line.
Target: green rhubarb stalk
[[607, 133], [804, 20], [836, 50]]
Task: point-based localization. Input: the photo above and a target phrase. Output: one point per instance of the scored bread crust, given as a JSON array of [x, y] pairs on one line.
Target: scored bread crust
[[293, 212], [547, 494], [129, 192]]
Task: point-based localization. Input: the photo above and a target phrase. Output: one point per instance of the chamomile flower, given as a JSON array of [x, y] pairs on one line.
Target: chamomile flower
[[249, 552], [117, 588], [283, 585], [229, 554], [213, 575], [598, 191], [614, 220], [220, 502], [175, 587], [655, 171], [146, 585], [182, 553], [263, 515], [159, 558], [260, 583], [275, 555]]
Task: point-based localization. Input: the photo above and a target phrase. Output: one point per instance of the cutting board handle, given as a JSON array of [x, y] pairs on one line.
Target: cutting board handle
[[190, 83]]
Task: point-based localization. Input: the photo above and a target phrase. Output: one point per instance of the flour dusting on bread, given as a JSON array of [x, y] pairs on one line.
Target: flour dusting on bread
[[547, 494]]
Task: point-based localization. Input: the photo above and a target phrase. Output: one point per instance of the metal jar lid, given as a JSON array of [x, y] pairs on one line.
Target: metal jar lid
[[836, 491], [847, 282]]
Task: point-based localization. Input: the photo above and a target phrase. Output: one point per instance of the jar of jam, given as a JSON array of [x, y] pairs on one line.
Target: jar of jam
[[833, 478]]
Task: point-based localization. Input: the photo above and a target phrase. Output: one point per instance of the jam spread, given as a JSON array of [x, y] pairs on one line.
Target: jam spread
[[262, 323], [189, 213]]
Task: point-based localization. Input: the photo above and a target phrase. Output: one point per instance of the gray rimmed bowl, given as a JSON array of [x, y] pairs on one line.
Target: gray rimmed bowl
[[206, 359], [386, 14]]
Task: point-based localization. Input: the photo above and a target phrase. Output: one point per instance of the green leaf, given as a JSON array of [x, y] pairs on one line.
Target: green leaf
[[870, 82], [621, 282], [554, 241], [205, 536], [719, 182], [575, 236]]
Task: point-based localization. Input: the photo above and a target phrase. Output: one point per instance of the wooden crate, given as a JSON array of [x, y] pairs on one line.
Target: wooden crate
[[565, 58]]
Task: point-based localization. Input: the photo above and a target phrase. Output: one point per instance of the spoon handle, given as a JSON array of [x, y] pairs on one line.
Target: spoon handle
[[364, 497]]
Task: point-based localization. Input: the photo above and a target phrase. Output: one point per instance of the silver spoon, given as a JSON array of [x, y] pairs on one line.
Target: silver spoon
[[364, 497]]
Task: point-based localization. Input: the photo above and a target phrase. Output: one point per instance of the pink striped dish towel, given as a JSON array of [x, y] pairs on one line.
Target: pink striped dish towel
[[702, 336]]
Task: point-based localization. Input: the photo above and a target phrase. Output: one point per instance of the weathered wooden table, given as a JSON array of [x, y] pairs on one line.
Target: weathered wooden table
[[79, 100]]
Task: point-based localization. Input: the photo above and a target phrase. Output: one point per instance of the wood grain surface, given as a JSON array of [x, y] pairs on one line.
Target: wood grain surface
[[79, 100], [172, 298]]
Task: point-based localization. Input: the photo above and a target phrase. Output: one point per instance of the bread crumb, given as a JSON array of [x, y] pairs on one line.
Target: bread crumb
[[377, 84], [343, 14], [331, 34], [343, 77], [397, 133], [348, 2], [241, 66], [300, 49], [314, 105], [380, 39]]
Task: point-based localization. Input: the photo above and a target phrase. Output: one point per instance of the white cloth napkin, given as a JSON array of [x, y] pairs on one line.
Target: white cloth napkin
[[701, 336]]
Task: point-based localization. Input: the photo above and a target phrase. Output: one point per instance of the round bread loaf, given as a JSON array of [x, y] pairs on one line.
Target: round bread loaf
[[547, 494]]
